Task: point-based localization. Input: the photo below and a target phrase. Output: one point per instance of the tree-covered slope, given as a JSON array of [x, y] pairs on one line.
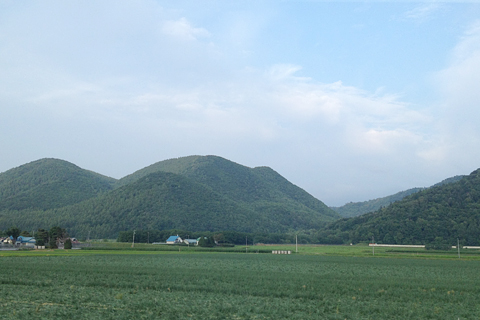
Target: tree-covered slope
[[449, 180], [354, 209], [291, 193], [259, 189], [193, 193], [157, 201], [49, 183], [436, 215], [175, 165]]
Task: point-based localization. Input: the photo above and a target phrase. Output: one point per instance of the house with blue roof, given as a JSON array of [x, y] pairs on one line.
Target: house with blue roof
[[174, 240], [26, 241]]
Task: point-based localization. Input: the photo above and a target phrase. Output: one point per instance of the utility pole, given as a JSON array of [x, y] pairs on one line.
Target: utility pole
[[246, 245], [296, 244], [458, 247], [148, 236], [133, 240], [373, 245]]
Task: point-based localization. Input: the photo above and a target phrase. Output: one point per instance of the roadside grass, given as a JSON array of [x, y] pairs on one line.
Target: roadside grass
[[327, 250], [366, 251]]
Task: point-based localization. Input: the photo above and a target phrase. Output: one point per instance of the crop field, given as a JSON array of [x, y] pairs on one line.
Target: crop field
[[172, 285]]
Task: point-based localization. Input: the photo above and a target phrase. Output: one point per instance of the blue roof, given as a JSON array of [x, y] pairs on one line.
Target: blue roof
[[172, 238], [23, 239]]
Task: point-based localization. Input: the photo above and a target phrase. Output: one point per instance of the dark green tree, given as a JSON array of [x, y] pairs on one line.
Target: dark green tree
[[56, 235], [206, 242], [52, 244], [25, 234], [438, 244], [68, 244], [42, 235]]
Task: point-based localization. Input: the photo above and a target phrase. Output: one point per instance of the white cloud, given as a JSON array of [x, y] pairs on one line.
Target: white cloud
[[435, 154], [148, 86], [423, 12], [283, 71], [387, 142], [183, 29], [459, 81], [458, 141], [272, 106], [469, 43]]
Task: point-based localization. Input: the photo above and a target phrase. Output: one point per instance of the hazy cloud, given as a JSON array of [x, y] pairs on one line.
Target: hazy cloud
[[183, 29], [460, 110], [115, 86], [423, 11]]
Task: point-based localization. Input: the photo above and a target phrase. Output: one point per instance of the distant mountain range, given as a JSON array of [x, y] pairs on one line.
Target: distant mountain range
[[354, 209], [440, 215], [210, 193], [197, 193]]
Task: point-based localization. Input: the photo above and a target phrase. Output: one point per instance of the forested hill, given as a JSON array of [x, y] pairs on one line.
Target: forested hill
[[257, 189], [193, 193], [438, 214], [49, 183], [176, 165], [354, 209]]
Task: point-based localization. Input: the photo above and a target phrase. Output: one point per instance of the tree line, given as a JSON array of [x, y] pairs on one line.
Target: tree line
[[222, 238], [49, 238], [439, 217]]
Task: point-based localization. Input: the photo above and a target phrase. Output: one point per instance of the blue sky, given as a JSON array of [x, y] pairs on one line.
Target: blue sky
[[349, 100]]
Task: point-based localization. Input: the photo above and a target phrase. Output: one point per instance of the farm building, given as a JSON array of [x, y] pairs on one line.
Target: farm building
[[6, 240], [174, 240], [193, 242], [26, 241]]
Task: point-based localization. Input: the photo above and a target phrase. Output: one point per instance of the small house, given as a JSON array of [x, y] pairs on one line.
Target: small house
[[6, 240], [26, 241], [174, 240], [192, 242]]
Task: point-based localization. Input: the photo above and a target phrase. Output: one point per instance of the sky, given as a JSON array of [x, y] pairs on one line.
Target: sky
[[349, 100]]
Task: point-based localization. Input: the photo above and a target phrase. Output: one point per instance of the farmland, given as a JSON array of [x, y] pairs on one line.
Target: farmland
[[171, 285]]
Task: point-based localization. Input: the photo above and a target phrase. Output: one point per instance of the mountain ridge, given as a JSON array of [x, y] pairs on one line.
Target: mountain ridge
[[48, 183], [440, 215], [213, 191], [353, 209]]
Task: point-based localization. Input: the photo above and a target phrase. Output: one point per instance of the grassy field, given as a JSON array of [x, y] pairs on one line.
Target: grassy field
[[366, 251], [125, 284], [354, 251]]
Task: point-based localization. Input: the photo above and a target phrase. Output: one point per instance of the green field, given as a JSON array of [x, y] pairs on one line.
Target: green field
[[79, 284]]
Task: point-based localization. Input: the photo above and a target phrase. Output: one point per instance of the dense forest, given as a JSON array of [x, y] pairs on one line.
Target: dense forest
[[211, 195], [196, 193], [440, 214], [353, 209], [49, 183]]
